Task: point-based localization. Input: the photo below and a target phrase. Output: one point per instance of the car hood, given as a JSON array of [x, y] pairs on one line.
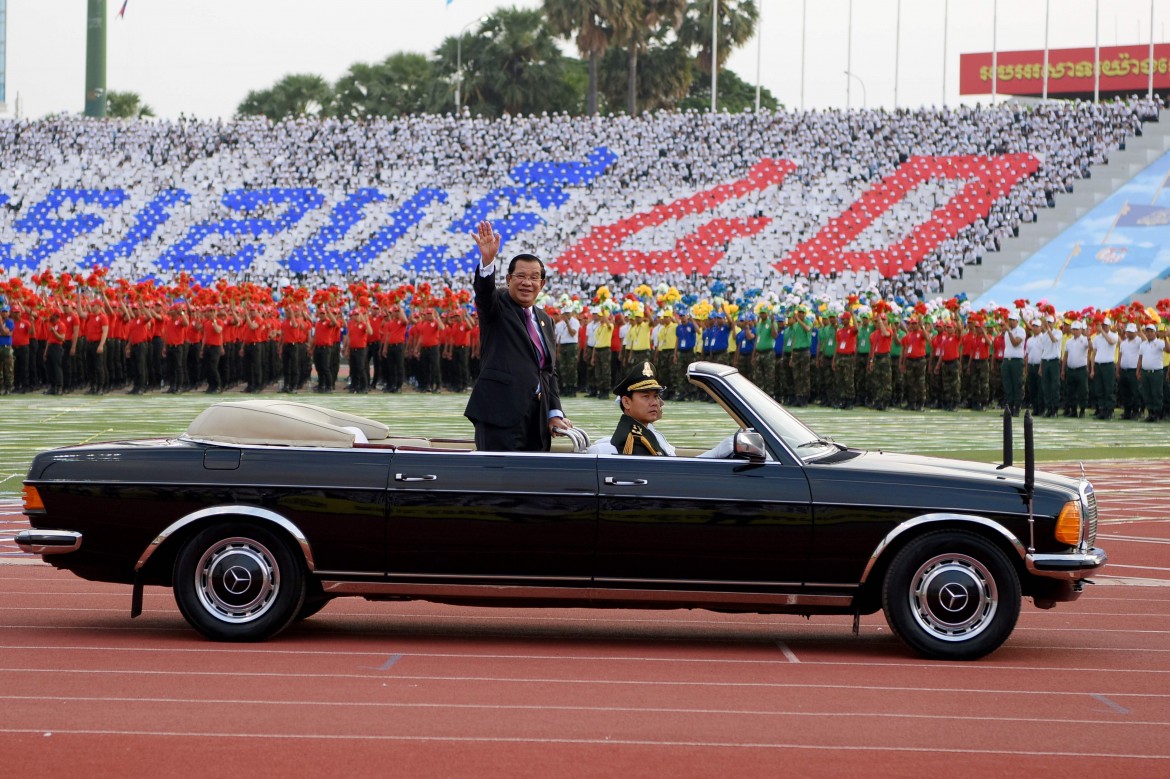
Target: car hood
[[917, 467]]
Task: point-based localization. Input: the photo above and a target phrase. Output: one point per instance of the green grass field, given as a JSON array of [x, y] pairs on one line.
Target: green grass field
[[33, 423]]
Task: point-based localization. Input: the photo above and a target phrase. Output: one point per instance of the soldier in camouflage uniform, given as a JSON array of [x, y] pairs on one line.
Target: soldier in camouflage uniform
[[765, 375], [799, 337], [947, 363], [845, 360], [878, 370], [897, 378], [826, 347], [977, 356], [913, 365]]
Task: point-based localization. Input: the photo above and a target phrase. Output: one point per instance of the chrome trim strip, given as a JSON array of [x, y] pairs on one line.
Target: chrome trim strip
[[489, 577], [488, 591], [225, 511], [927, 519], [412, 590], [615, 580], [717, 598], [1067, 566], [47, 542]]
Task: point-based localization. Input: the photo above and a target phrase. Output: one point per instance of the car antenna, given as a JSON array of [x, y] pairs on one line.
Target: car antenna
[[1029, 477], [1007, 438]]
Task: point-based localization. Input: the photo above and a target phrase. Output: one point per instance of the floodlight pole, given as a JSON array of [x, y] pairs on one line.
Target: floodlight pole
[[714, 51], [459, 62], [95, 58]]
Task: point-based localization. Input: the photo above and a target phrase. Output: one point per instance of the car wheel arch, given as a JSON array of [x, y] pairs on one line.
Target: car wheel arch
[[907, 531], [175, 535]]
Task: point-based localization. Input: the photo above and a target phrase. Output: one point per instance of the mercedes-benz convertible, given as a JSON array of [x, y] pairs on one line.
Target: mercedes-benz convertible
[[264, 510]]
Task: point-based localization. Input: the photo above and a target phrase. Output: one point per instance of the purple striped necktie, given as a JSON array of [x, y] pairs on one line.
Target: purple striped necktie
[[534, 334]]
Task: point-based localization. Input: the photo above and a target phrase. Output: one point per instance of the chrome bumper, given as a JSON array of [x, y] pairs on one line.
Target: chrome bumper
[[1066, 566], [46, 542]]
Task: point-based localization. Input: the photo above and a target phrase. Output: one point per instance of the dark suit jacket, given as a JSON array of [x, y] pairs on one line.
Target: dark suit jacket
[[508, 373]]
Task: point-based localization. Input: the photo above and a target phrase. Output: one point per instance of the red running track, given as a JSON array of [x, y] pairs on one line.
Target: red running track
[[417, 689]]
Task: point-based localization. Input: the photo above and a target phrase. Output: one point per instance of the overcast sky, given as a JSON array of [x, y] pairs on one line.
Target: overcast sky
[[201, 57]]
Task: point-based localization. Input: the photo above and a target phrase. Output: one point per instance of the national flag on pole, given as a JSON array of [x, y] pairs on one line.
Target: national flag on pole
[[122, 12]]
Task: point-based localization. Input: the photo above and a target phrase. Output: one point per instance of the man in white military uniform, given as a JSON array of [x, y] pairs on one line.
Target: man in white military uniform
[[1129, 388], [1150, 372], [1074, 371]]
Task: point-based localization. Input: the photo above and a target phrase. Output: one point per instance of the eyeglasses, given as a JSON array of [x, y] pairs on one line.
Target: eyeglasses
[[522, 277]]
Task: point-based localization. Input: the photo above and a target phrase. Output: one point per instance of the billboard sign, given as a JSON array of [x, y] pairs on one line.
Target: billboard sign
[[1070, 71]]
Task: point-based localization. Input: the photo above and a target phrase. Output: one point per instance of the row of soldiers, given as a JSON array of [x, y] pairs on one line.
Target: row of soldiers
[[882, 360], [865, 357], [98, 344]]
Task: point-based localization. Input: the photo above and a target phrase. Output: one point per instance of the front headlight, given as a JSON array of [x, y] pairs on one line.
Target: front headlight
[[1068, 524]]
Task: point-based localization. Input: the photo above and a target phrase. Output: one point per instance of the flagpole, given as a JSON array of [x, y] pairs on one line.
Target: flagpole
[[1076, 249], [946, 13], [994, 49], [1097, 52], [1047, 6], [897, 49], [759, 50], [714, 50], [849, 56], [1150, 89], [803, 47]]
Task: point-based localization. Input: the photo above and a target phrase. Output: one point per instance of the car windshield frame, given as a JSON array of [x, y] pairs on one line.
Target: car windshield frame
[[798, 438]]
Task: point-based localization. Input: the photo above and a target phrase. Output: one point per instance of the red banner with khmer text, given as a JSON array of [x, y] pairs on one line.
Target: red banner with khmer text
[[1070, 71]]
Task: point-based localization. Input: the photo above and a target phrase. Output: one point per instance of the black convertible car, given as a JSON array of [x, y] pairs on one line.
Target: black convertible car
[[266, 509]]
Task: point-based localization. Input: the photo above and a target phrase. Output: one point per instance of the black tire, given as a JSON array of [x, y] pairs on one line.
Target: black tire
[[239, 582], [951, 595], [315, 600]]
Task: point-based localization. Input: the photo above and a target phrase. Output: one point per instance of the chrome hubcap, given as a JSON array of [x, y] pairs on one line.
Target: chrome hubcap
[[237, 580], [953, 597]]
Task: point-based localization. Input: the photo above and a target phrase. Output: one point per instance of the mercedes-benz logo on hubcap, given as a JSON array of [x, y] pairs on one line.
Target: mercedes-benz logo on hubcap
[[236, 580], [952, 597]]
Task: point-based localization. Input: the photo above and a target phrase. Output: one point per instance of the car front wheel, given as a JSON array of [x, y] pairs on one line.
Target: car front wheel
[[236, 582], [951, 595]]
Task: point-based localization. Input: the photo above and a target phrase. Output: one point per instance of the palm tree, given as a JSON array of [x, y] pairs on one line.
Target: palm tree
[[593, 22], [512, 66], [646, 19], [126, 105], [294, 95], [737, 24], [403, 83]]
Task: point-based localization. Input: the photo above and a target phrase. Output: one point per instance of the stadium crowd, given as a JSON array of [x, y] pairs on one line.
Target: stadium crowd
[[93, 307]]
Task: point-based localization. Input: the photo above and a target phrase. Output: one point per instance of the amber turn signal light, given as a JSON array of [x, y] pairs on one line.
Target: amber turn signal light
[[32, 499], [1068, 523]]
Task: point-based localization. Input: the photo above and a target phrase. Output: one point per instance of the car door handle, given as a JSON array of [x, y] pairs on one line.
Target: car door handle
[[613, 481], [424, 477]]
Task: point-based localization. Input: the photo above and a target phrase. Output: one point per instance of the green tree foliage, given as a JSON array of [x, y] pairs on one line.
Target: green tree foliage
[[648, 22], [294, 95], [636, 54], [593, 24], [511, 66], [737, 24], [665, 75], [401, 84], [735, 94], [126, 105]]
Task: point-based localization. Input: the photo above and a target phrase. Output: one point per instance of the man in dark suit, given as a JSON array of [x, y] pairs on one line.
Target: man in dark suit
[[515, 402]]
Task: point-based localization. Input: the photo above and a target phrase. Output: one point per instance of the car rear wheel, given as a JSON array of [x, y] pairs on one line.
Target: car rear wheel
[[951, 595], [237, 582]]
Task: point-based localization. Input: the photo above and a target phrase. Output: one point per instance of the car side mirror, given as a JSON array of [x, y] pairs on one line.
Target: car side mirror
[[749, 445]]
